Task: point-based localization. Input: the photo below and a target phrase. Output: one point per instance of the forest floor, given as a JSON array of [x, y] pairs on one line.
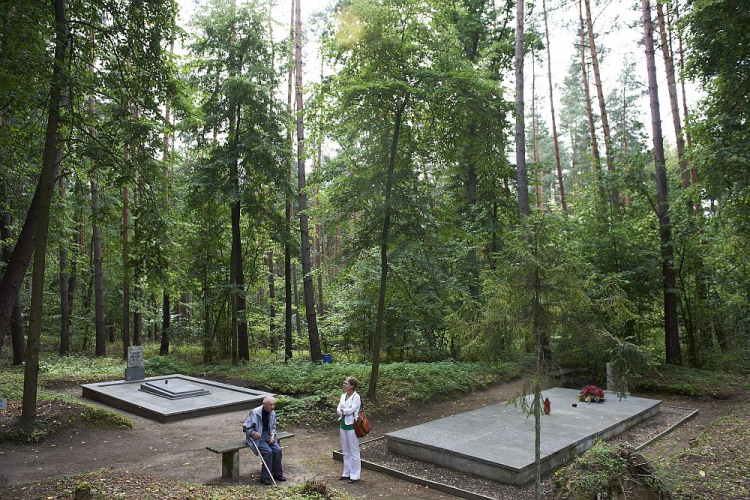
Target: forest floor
[[155, 460]]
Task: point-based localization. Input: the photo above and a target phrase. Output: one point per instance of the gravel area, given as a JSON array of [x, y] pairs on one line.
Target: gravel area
[[376, 452]]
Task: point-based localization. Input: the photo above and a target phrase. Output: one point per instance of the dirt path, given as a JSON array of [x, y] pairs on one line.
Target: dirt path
[[177, 450]]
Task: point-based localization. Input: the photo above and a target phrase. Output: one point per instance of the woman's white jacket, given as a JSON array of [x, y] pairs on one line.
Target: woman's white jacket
[[349, 408]]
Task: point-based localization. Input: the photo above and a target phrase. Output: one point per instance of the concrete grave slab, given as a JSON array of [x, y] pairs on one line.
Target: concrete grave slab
[[497, 442], [174, 397]]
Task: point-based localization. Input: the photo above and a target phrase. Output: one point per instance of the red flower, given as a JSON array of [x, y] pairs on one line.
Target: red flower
[[591, 392]]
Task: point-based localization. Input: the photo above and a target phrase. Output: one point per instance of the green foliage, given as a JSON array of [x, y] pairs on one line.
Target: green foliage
[[318, 386], [166, 365], [74, 369], [592, 472], [696, 383], [538, 254], [609, 471]]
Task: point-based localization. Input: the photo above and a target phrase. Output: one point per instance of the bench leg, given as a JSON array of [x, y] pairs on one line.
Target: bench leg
[[230, 465]]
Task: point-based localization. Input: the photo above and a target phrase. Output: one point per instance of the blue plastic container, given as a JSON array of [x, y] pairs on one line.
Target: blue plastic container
[[327, 358]]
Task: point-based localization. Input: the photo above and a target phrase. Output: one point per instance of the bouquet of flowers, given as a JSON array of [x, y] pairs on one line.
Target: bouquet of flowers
[[591, 393]]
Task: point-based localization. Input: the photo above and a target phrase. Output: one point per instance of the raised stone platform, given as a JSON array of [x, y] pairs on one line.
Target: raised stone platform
[[497, 442], [173, 397]]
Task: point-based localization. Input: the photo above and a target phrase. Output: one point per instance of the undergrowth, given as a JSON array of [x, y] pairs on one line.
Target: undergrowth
[[609, 471], [691, 382]]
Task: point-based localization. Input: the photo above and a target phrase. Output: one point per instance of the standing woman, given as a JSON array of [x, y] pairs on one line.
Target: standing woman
[[348, 408]]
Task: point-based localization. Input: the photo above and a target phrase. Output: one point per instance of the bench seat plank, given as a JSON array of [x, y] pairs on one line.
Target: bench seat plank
[[230, 455]]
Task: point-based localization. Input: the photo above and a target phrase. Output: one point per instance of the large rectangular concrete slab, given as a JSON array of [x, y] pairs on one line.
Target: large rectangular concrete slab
[[497, 442], [216, 397]]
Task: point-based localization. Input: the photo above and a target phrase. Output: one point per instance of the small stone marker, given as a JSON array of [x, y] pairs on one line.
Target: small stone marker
[[3, 404], [135, 369], [610, 382]]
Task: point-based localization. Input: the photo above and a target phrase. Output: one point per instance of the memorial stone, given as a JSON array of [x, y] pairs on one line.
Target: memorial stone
[[135, 369], [3, 404]]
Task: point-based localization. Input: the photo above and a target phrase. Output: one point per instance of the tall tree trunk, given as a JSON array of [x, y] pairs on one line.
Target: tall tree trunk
[[64, 300], [14, 315], [589, 112], [137, 313], [687, 174], [20, 258], [534, 138], [312, 322], [153, 328], [671, 334], [125, 267], [288, 208], [672, 88], [319, 229], [101, 334], [272, 301], [79, 241], [615, 196], [238, 274], [297, 315], [521, 176], [688, 139], [558, 163], [165, 308], [46, 180], [371, 393], [471, 167], [165, 324]]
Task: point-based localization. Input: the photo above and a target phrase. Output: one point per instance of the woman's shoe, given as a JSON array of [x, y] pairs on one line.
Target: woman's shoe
[[344, 478], [353, 481]]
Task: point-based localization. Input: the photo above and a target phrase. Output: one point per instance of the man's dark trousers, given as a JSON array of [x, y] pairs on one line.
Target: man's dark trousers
[[271, 453]]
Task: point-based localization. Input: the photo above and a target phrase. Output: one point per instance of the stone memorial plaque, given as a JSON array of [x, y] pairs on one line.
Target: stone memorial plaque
[[3, 404], [135, 356]]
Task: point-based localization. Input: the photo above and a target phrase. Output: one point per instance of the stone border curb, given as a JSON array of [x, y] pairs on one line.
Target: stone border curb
[[688, 417]]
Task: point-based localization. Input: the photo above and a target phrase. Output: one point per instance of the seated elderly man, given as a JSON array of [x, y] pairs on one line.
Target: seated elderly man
[[260, 432]]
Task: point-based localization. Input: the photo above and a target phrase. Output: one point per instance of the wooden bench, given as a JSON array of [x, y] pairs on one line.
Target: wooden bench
[[230, 455], [562, 372]]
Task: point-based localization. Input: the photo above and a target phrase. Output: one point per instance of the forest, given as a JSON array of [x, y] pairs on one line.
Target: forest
[[168, 185]]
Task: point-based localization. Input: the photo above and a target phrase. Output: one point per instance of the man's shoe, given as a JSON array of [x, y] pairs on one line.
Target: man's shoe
[[280, 478], [344, 478], [266, 481], [353, 481]]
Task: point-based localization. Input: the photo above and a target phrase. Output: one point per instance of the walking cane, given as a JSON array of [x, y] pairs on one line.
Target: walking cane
[[264, 461]]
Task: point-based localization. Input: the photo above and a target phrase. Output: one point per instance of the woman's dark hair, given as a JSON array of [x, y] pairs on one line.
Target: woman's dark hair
[[352, 381]]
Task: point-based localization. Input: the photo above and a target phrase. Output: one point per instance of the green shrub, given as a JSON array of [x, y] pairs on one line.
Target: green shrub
[[609, 471], [671, 379], [166, 365]]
